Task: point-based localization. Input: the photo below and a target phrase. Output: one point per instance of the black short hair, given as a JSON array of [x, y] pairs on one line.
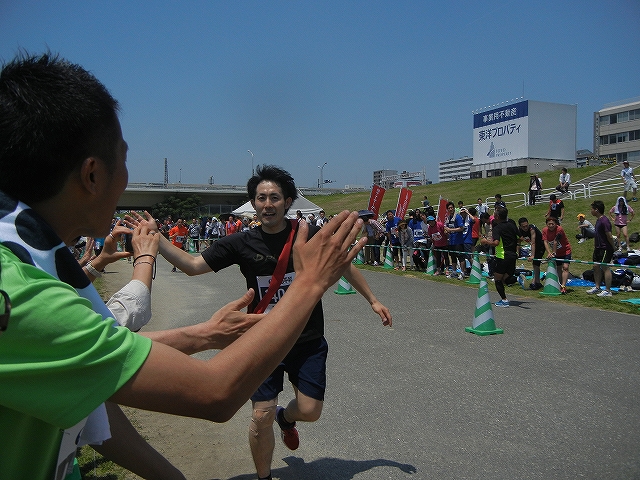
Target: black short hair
[[521, 220], [274, 174], [598, 205], [53, 115], [502, 213]]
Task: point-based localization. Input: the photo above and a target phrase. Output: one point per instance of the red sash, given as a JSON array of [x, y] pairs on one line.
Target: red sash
[[278, 273]]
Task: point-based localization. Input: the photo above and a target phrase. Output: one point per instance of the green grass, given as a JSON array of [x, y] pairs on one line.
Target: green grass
[[470, 190], [94, 466]]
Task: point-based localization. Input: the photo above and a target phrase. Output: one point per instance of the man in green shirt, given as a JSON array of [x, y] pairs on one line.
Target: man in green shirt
[[63, 164]]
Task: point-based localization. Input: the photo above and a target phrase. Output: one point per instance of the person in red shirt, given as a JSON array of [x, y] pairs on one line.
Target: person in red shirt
[[178, 236], [233, 225], [556, 244], [434, 230]]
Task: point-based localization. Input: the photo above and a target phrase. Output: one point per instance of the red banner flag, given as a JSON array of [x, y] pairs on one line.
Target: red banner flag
[[403, 202], [442, 210], [375, 200]]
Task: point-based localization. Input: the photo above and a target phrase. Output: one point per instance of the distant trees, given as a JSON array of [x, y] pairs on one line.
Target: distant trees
[[177, 207]]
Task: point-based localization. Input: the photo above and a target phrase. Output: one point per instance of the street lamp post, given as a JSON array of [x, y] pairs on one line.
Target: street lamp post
[[321, 178], [252, 173]]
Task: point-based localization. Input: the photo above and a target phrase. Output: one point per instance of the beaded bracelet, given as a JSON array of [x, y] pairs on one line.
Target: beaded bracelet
[[91, 269]]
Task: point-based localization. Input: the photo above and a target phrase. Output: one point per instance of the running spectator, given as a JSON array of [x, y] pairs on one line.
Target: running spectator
[[393, 240], [621, 214], [375, 232], [233, 225], [556, 245], [405, 235], [453, 227], [603, 247], [586, 229], [630, 181], [254, 221], [419, 254], [564, 180], [475, 230], [556, 209], [178, 236], [467, 241], [322, 219], [535, 187], [435, 231], [194, 233], [482, 207], [217, 228], [486, 226], [530, 234], [504, 238]]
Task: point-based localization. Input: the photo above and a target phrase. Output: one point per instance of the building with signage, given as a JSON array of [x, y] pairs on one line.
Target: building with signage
[[616, 132], [521, 137]]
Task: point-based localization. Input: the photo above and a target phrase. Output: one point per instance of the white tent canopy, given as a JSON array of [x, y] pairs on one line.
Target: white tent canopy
[[301, 203]]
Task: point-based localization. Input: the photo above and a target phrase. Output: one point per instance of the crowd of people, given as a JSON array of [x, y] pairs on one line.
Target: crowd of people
[[453, 238]]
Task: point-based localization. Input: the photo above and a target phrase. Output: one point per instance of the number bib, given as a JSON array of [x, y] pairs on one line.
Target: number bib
[[263, 286]]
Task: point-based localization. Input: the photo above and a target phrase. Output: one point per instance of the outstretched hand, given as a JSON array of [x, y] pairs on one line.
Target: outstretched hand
[[229, 323], [134, 219], [327, 255]]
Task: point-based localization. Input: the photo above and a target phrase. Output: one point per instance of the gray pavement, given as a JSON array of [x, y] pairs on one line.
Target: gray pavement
[[555, 396]]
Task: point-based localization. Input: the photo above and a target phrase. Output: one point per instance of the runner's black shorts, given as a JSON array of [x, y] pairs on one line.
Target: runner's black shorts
[[306, 366]]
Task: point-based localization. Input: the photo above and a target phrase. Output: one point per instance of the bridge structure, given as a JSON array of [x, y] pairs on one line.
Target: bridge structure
[[214, 199]]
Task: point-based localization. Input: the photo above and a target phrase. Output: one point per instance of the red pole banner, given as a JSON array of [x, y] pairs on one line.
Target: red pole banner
[[375, 200], [403, 202], [442, 209]]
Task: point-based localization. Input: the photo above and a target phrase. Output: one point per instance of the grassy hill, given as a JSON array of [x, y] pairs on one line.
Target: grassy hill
[[470, 190], [466, 190]]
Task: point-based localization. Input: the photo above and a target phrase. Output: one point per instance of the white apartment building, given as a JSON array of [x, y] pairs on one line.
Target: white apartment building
[[616, 132]]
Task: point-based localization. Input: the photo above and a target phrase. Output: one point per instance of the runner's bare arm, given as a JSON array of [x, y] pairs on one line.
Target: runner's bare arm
[[357, 280], [189, 264]]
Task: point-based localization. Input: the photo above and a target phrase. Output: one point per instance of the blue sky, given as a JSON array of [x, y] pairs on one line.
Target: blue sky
[[361, 85]]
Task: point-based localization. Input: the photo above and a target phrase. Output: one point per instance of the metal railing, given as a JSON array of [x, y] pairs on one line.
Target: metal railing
[[577, 190]]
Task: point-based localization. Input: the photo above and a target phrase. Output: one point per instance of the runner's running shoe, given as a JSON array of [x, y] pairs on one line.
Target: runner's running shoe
[[288, 431]]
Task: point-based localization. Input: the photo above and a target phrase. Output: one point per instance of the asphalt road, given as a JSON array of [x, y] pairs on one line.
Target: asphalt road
[[555, 396]]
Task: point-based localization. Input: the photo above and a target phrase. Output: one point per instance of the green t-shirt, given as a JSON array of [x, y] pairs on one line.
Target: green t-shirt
[[59, 360]]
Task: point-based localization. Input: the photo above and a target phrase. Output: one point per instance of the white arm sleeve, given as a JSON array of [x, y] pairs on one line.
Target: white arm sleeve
[[131, 305]]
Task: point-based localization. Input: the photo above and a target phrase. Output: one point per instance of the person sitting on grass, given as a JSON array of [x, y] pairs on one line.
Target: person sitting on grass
[[585, 227]]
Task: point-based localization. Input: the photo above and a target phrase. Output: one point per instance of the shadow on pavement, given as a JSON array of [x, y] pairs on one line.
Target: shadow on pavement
[[327, 469]]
